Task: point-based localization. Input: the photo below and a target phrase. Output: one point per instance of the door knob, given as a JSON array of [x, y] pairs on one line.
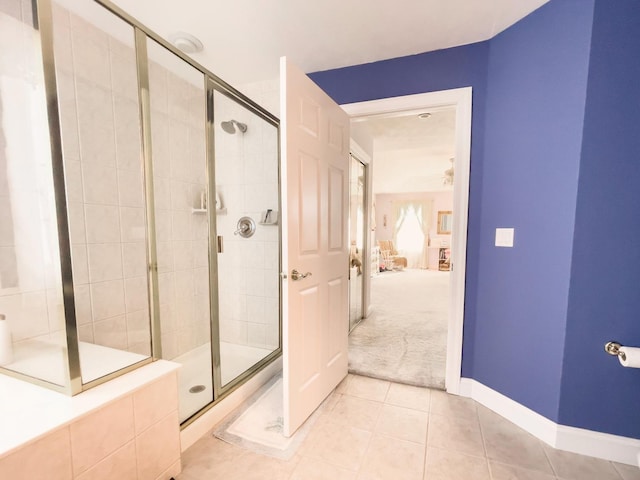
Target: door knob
[[296, 275]]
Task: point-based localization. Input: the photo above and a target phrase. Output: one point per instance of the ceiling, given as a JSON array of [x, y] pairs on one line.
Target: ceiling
[[411, 154], [243, 40]]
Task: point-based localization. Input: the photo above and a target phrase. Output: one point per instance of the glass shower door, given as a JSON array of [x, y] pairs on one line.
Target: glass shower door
[[247, 215], [180, 191]]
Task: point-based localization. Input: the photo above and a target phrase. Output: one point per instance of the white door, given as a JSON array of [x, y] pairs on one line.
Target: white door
[[315, 171]]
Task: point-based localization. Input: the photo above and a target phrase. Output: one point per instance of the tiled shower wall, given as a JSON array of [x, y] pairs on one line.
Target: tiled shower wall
[[30, 291], [182, 232], [247, 182], [97, 88]]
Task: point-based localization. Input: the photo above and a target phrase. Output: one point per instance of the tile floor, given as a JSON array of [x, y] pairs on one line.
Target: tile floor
[[376, 430]]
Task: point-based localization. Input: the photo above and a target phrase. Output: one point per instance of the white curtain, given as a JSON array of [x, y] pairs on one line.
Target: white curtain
[[411, 232]]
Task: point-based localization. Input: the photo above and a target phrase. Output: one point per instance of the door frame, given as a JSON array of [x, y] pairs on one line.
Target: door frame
[[461, 100]]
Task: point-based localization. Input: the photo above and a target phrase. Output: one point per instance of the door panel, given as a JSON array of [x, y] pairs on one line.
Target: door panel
[[315, 309]]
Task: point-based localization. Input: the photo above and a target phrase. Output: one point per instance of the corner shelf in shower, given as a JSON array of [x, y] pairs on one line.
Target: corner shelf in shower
[[198, 211]]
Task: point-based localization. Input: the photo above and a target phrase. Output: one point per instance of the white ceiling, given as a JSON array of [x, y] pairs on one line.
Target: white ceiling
[[410, 153], [244, 39]]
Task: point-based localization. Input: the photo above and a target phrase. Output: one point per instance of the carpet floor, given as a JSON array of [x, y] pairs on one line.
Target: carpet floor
[[405, 337]]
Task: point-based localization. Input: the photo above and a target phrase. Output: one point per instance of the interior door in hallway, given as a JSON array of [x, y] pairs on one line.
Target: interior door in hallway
[[315, 156]]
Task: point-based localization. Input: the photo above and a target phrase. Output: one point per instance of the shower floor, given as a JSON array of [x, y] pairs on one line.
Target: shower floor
[[196, 370]]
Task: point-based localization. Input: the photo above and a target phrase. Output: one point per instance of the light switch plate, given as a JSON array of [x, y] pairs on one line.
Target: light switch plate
[[504, 237]]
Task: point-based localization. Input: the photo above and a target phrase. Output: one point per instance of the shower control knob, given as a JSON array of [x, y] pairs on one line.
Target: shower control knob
[[296, 275]]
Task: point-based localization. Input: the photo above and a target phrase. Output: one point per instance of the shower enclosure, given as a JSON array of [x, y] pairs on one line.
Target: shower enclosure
[[125, 170]]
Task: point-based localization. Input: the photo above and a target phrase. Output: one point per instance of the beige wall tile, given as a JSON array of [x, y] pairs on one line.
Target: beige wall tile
[[158, 447], [111, 332], [107, 299], [155, 401], [127, 133], [133, 224], [123, 68], [134, 259], [121, 464], [102, 223], [138, 328], [83, 304], [85, 333], [48, 458], [80, 264], [136, 296], [100, 184], [130, 188], [105, 262], [73, 177], [90, 56], [101, 433], [75, 210]]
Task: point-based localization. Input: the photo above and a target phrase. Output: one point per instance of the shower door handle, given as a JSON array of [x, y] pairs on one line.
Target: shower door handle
[[296, 275]]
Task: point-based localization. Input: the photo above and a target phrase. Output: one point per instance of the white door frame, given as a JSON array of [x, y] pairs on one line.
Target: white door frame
[[460, 98]]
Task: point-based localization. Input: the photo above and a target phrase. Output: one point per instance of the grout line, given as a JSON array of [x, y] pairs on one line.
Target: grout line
[[484, 441]]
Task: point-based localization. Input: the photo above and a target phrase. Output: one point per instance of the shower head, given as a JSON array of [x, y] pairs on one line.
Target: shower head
[[230, 126]]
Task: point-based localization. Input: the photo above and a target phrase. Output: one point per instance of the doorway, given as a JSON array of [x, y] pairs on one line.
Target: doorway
[[459, 100]]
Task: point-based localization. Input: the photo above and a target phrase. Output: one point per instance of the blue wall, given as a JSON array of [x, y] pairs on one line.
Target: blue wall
[[604, 296], [429, 72], [537, 88], [555, 154]]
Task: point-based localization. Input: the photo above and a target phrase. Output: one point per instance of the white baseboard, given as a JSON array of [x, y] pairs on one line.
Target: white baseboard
[[203, 425], [577, 440]]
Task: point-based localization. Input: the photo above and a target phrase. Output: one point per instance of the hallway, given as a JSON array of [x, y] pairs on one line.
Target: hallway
[[405, 338], [377, 430]]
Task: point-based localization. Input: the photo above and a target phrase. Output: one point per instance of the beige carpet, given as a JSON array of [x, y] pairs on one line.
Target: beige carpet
[[405, 337]]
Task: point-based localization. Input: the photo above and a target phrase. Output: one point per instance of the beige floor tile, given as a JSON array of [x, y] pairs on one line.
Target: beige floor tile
[[451, 405], [355, 412], [330, 402], [342, 386], [403, 423], [313, 469], [571, 466], [388, 458], [508, 443], [253, 466], [409, 396], [449, 465], [337, 444], [628, 472], [368, 388], [455, 433], [209, 456], [501, 471]]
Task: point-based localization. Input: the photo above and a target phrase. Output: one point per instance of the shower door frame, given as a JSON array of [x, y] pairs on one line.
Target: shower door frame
[[365, 266], [220, 390]]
